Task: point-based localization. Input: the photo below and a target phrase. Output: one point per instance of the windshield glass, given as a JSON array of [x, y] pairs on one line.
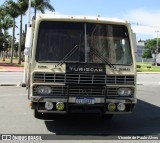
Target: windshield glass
[[57, 39]]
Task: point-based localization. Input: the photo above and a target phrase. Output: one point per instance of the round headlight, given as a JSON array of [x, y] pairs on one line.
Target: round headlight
[[124, 91], [111, 107], [49, 105], [60, 106], [44, 90], [121, 106]]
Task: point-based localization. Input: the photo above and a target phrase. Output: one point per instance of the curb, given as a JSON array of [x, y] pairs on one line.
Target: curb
[[148, 72], [11, 71], [9, 84], [18, 85]]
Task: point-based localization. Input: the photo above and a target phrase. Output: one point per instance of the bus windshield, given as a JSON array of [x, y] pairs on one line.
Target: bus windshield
[[56, 39]]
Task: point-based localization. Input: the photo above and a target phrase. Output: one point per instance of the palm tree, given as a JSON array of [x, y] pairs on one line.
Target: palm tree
[[6, 42], [21, 7], [5, 24], [10, 9], [41, 5], [2, 14]]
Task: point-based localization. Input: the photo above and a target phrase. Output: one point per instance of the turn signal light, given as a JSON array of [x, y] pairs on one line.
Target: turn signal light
[[30, 104]]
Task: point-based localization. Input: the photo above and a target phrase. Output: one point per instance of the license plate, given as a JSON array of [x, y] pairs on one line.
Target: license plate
[[85, 100]]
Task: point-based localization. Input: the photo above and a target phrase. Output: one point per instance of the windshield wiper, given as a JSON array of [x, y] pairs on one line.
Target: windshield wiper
[[97, 54], [70, 53]]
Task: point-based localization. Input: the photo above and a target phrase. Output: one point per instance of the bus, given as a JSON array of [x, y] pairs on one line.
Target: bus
[[81, 65]]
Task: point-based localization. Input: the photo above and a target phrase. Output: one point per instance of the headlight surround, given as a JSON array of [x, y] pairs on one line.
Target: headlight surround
[[124, 91], [44, 90]]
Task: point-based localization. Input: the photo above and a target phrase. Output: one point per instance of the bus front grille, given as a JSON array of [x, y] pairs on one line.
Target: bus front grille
[[74, 91], [81, 79]]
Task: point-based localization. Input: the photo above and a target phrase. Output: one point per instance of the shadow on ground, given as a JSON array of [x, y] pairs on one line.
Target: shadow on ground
[[144, 121]]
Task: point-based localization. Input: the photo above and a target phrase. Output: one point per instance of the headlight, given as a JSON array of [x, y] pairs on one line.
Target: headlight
[[124, 91], [44, 90]]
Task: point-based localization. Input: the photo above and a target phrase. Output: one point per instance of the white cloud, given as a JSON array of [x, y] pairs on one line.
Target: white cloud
[[144, 21]]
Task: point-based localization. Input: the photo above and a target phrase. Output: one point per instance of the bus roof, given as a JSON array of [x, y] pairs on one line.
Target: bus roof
[[80, 18]]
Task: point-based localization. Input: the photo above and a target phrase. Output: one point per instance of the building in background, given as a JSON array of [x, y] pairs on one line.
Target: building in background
[[140, 50]]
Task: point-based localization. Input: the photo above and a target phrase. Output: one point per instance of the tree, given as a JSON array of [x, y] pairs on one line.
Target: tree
[[151, 47], [2, 14], [12, 11], [6, 37], [21, 7], [5, 24], [41, 5]]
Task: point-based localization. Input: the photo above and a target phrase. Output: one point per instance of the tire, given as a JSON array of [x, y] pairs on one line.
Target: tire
[[37, 115]]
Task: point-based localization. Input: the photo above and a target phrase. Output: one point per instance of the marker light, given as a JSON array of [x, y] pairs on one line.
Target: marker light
[[30, 104]]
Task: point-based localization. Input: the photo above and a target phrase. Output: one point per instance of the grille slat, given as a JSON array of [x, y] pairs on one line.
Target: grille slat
[[75, 91], [83, 91], [82, 79]]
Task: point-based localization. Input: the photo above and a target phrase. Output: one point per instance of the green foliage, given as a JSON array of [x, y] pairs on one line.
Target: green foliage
[[138, 66], [21, 6], [1, 47], [6, 22], [23, 43], [16, 47], [9, 11], [11, 8], [41, 5], [150, 47], [2, 12], [147, 54], [147, 67]]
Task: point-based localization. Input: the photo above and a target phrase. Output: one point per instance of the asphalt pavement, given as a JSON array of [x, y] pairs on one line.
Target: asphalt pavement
[[11, 78], [10, 74], [17, 117]]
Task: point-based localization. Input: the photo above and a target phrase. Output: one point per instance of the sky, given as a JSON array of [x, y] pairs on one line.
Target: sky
[[144, 15]]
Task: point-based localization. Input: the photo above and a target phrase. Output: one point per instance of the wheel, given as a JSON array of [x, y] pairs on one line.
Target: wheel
[[107, 116], [37, 114]]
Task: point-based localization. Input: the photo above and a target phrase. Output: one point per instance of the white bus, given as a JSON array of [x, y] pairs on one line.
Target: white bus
[[81, 65]]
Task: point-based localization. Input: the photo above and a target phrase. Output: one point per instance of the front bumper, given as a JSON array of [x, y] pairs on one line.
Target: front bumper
[[100, 105], [102, 95]]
